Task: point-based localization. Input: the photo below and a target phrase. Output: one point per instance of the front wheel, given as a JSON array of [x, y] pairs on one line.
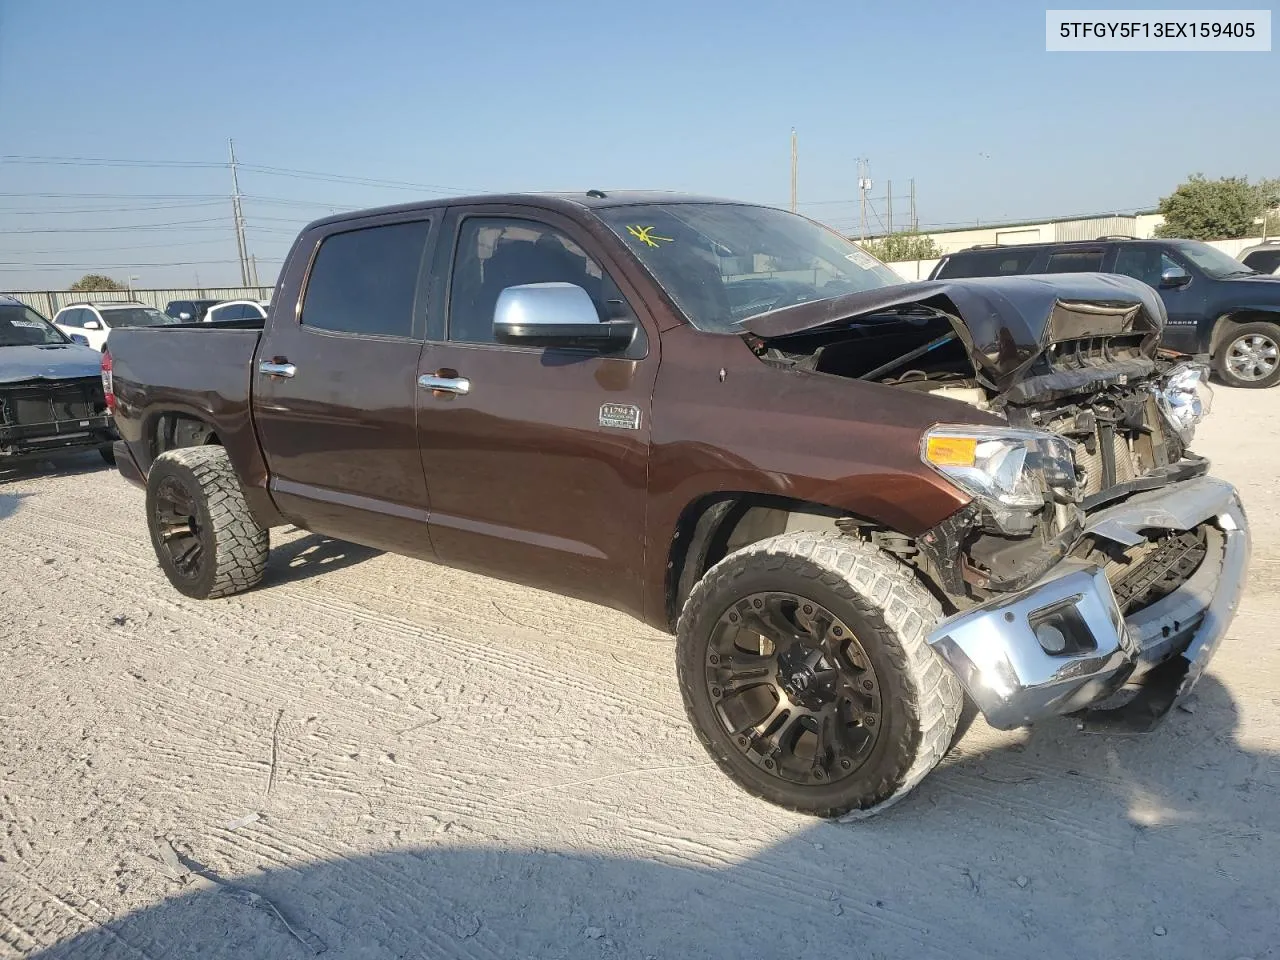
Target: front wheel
[[205, 538], [1250, 356], [805, 670]]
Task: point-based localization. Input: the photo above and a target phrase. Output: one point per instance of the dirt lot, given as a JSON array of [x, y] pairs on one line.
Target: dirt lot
[[389, 759]]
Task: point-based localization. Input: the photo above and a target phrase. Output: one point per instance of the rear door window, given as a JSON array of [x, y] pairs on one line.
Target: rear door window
[[996, 262], [364, 281], [71, 318], [1075, 261]]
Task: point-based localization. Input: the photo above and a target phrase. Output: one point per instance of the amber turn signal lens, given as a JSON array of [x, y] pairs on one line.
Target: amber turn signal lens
[[951, 451]]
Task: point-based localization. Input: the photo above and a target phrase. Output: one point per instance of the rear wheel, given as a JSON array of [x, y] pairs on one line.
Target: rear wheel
[[205, 538], [1250, 355], [805, 671]]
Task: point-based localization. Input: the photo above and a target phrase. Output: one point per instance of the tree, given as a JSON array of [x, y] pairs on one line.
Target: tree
[[1223, 209], [95, 281], [903, 245]]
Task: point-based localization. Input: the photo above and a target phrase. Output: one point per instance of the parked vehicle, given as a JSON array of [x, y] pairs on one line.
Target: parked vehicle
[[236, 310], [1263, 257], [51, 398], [90, 324], [189, 310], [1216, 305], [851, 499]]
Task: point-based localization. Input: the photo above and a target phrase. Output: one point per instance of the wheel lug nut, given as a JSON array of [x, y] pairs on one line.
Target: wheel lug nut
[[757, 603], [808, 609], [714, 658], [742, 741], [715, 691], [837, 631], [769, 764], [733, 618], [868, 685], [870, 721], [818, 774], [846, 763]]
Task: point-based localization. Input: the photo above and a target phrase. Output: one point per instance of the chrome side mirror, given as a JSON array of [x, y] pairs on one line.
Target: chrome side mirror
[[1174, 277], [556, 315]]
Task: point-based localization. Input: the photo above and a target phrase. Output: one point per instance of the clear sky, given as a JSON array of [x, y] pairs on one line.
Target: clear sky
[[569, 94]]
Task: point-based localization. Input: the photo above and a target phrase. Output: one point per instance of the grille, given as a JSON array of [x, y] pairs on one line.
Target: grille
[[33, 406]]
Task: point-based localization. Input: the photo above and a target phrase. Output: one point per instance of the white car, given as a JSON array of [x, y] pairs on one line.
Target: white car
[[91, 323], [238, 310], [1263, 257]]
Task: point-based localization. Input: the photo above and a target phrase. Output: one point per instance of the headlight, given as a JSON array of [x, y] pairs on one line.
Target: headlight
[[1185, 397], [1012, 472]]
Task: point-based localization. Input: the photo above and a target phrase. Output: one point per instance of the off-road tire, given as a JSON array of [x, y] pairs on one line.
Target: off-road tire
[[1258, 328], [234, 548], [890, 613]]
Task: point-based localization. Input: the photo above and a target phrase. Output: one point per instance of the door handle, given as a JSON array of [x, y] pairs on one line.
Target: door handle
[[457, 385], [272, 368]]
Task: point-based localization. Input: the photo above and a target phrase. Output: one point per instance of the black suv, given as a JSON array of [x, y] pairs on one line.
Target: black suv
[[1216, 305], [189, 311]]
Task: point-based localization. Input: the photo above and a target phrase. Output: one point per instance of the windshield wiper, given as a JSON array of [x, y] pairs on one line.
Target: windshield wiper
[[1238, 273]]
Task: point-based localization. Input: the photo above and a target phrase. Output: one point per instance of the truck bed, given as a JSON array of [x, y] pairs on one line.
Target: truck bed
[[203, 370]]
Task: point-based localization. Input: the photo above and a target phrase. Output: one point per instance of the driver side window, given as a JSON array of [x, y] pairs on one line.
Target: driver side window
[[494, 253]]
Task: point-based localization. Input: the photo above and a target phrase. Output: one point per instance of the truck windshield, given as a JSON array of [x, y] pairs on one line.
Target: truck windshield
[[136, 317], [1212, 261], [20, 326], [722, 263]]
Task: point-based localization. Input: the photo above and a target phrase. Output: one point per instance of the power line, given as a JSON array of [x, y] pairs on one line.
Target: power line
[[90, 210], [13, 267], [191, 224], [104, 162]]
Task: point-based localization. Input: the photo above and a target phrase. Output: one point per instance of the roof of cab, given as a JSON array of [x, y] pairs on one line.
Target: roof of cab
[[590, 199]]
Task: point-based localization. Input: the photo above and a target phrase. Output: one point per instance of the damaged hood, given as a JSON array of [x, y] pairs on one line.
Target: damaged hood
[[1005, 322], [52, 362]]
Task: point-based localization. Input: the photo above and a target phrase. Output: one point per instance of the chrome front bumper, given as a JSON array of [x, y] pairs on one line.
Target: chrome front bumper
[[1158, 653]]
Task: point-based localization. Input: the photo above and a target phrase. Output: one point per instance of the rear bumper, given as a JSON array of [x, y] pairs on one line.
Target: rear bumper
[[1156, 655]]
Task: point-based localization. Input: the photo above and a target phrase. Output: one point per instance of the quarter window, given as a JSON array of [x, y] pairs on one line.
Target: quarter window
[[494, 254], [988, 263], [364, 281]]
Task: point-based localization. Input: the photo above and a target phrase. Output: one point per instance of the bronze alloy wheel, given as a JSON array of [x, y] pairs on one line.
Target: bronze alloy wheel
[[793, 688]]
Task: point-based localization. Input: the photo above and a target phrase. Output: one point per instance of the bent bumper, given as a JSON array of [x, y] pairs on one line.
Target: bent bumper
[[1160, 652]]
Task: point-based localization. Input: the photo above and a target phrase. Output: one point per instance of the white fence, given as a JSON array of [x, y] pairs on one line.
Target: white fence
[[49, 302]]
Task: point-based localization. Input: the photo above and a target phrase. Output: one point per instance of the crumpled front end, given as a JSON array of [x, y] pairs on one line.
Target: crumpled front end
[[43, 417], [1097, 632]]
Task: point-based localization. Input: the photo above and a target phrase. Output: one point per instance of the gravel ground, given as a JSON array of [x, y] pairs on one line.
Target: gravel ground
[[376, 757]]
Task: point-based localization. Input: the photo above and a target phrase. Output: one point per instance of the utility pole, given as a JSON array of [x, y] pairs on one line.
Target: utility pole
[[253, 269], [888, 189], [915, 224], [794, 163], [238, 217], [864, 184]]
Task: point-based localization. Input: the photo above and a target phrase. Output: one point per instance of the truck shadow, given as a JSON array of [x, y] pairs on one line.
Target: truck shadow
[[1162, 846], [310, 556]]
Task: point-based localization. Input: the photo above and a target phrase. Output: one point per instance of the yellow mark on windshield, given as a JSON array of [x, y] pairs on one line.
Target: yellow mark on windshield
[[646, 236]]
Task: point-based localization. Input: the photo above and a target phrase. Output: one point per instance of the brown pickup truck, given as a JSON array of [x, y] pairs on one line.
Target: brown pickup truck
[[853, 500]]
